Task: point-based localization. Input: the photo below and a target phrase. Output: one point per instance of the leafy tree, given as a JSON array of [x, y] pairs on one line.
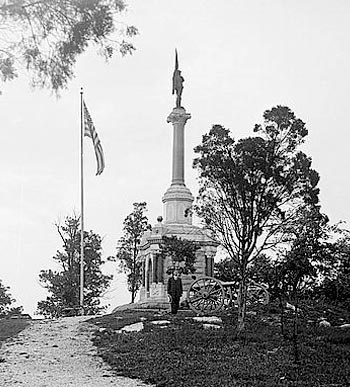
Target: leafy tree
[[6, 302], [309, 250], [250, 190], [336, 282], [296, 272], [135, 224], [63, 284], [226, 270], [308, 256], [5, 299], [45, 37], [182, 253]]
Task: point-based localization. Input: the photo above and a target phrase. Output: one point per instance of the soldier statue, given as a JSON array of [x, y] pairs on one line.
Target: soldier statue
[[178, 81]]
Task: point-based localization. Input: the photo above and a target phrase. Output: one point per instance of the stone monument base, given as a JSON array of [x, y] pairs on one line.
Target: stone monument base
[[155, 292]]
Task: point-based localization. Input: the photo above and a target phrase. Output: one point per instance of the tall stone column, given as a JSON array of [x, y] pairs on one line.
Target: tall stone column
[[178, 198], [178, 117]]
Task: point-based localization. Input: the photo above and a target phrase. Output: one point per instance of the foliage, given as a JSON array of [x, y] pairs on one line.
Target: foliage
[[336, 284], [5, 299], [6, 302], [182, 253], [297, 268], [226, 270], [185, 354], [250, 190], [307, 255], [45, 38], [63, 284], [135, 224]]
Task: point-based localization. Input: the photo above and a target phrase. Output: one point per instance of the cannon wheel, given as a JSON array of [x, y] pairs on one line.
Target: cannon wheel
[[206, 295], [257, 295]]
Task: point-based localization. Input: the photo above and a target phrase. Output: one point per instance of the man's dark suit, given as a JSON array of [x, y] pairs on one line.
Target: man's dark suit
[[175, 291]]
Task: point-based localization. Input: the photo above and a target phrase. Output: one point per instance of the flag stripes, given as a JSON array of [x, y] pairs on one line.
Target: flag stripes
[[90, 131]]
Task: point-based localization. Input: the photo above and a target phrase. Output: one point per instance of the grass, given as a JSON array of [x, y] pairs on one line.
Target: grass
[[11, 327], [186, 354]]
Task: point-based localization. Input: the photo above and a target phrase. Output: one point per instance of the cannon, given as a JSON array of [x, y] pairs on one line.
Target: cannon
[[208, 295]]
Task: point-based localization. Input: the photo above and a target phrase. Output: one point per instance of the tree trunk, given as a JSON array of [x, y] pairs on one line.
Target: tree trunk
[[282, 319], [133, 284], [133, 290], [242, 304], [295, 329]]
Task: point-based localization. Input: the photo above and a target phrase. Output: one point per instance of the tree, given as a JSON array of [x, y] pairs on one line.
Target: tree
[[63, 284], [45, 37], [295, 274], [308, 251], [182, 253], [250, 190], [226, 270], [6, 302], [135, 224], [336, 275]]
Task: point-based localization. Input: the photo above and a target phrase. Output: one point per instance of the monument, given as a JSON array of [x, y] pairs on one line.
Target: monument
[[177, 221]]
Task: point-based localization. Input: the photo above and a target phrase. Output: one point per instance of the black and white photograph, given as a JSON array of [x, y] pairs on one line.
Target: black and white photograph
[[174, 205]]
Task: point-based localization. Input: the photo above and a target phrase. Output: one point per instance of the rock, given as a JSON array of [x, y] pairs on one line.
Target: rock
[[23, 316], [251, 313], [208, 319], [324, 323], [344, 326], [211, 326], [137, 327], [160, 322], [272, 351]]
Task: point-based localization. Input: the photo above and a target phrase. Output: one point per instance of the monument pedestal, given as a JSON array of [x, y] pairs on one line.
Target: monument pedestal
[[153, 291], [177, 205], [158, 292]]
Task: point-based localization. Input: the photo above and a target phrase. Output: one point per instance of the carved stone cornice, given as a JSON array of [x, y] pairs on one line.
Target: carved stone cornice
[[178, 192], [178, 116]]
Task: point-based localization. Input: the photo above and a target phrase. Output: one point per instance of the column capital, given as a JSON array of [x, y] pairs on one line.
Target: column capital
[[178, 115]]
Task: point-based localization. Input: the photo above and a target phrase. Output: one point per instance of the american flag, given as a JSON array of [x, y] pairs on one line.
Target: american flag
[[90, 131]]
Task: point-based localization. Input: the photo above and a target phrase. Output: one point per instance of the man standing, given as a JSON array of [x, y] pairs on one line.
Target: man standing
[[174, 291]]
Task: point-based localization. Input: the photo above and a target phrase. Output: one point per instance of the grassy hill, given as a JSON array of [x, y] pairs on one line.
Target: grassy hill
[[185, 353]]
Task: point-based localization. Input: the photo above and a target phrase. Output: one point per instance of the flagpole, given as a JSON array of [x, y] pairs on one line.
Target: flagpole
[[82, 203]]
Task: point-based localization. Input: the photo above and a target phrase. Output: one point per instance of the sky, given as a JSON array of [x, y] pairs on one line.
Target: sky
[[239, 58]]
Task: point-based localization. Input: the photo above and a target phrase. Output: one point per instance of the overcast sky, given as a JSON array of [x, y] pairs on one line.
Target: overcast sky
[[239, 58]]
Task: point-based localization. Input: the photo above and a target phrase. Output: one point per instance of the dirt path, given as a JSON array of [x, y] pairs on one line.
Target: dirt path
[[56, 353]]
